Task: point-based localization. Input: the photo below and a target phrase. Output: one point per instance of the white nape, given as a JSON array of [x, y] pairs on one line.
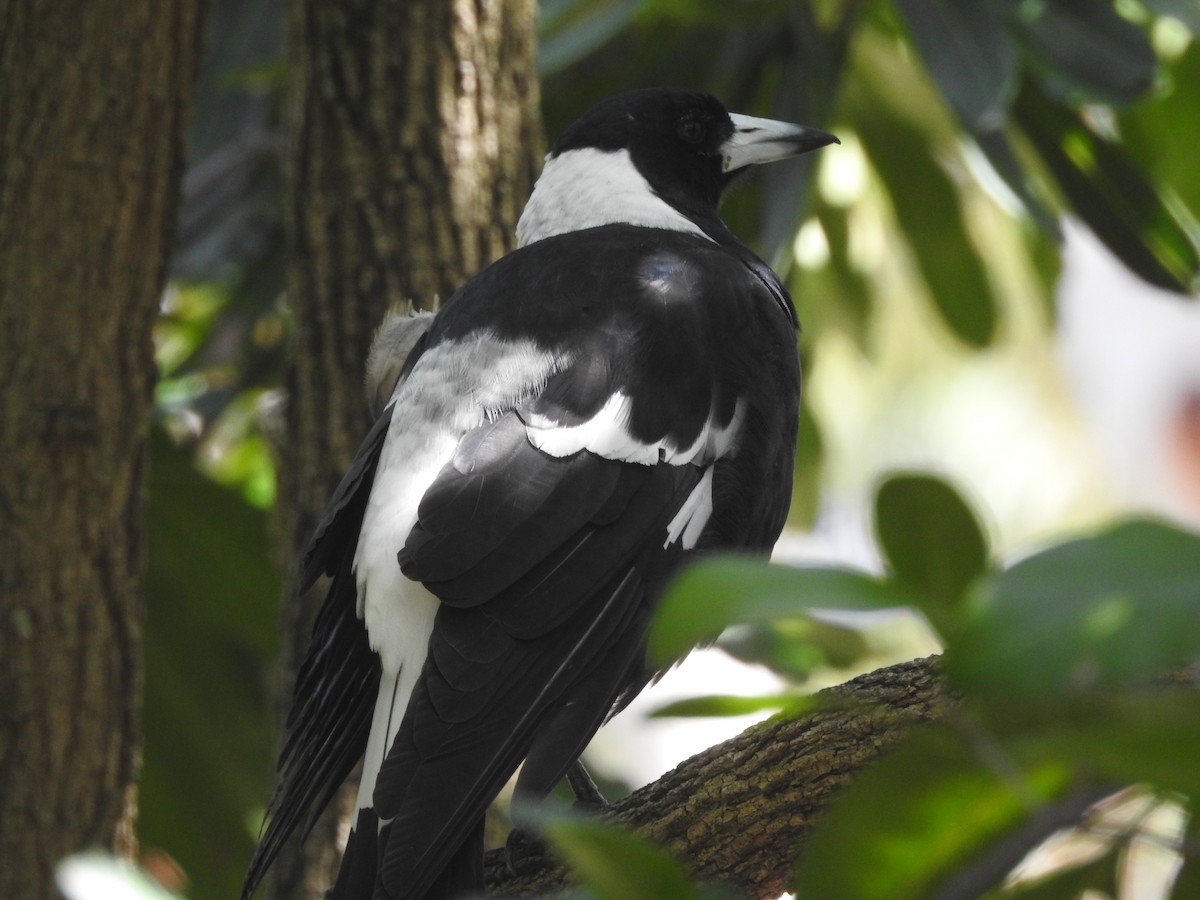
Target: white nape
[[586, 188]]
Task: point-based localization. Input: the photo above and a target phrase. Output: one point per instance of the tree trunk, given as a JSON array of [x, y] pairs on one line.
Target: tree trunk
[[93, 106], [414, 143]]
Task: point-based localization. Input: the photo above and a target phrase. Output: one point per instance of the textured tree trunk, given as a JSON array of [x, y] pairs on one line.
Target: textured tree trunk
[[93, 107], [414, 143]]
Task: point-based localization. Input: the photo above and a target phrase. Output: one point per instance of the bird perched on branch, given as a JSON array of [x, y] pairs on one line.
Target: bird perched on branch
[[618, 394]]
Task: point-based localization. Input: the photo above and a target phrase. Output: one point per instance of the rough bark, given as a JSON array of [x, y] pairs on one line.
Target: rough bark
[[737, 812], [414, 141], [93, 105]]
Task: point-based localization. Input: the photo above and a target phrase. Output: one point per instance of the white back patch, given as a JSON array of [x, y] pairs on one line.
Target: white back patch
[[453, 388], [585, 188]]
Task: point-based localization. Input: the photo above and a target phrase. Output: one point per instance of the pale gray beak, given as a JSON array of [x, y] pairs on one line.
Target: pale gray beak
[[757, 141]]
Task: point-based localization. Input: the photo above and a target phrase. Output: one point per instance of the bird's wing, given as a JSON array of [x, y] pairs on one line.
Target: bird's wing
[[572, 425], [546, 535]]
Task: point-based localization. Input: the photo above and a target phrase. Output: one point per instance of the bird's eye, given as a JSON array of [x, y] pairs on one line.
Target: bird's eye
[[691, 131]]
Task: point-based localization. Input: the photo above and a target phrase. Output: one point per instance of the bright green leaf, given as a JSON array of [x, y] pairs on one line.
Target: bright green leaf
[[1161, 134], [910, 819], [1100, 611], [721, 591], [931, 540], [970, 54]]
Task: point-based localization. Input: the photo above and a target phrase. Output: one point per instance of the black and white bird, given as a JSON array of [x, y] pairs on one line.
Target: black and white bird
[[615, 396]]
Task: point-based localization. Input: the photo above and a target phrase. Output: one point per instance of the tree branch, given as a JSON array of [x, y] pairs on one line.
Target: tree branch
[[738, 811]]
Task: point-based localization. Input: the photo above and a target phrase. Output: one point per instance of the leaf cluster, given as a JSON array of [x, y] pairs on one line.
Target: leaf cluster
[[1061, 660]]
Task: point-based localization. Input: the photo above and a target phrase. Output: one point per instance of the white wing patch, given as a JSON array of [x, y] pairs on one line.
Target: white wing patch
[[607, 434], [453, 388], [587, 187], [693, 515]]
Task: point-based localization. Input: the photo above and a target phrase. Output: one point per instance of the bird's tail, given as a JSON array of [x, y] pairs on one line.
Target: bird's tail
[[463, 876], [358, 876], [359, 869]]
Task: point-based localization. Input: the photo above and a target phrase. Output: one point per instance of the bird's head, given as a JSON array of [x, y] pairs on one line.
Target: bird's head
[[658, 157]]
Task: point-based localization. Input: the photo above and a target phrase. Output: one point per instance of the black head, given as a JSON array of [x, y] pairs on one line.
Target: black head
[[685, 143]]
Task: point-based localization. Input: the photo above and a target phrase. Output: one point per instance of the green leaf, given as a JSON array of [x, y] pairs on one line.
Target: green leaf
[[720, 591], [806, 477], [212, 621], [931, 540], [996, 146], [1101, 611], [1129, 737], [910, 819], [569, 30], [1161, 134], [611, 862], [970, 54], [928, 210], [1113, 197], [1184, 11], [722, 705], [1086, 50], [796, 648]]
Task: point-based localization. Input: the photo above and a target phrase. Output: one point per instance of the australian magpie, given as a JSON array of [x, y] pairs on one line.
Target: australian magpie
[[615, 396]]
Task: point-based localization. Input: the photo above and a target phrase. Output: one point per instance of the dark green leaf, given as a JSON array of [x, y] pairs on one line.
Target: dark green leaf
[[1147, 737], [930, 539], [930, 215], [611, 862], [795, 648], [569, 30], [907, 821], [721, 591], [1100, 611], [212, 616], [1185, 11], [1087, 51], [1113, 196], [998, 149], [806, 478], [970, 54]]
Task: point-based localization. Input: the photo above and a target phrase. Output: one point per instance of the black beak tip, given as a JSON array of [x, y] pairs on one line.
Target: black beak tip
[[816, 139]]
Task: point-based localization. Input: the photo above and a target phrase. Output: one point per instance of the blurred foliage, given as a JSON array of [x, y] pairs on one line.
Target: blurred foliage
[[969, 129], [1056, 658]]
